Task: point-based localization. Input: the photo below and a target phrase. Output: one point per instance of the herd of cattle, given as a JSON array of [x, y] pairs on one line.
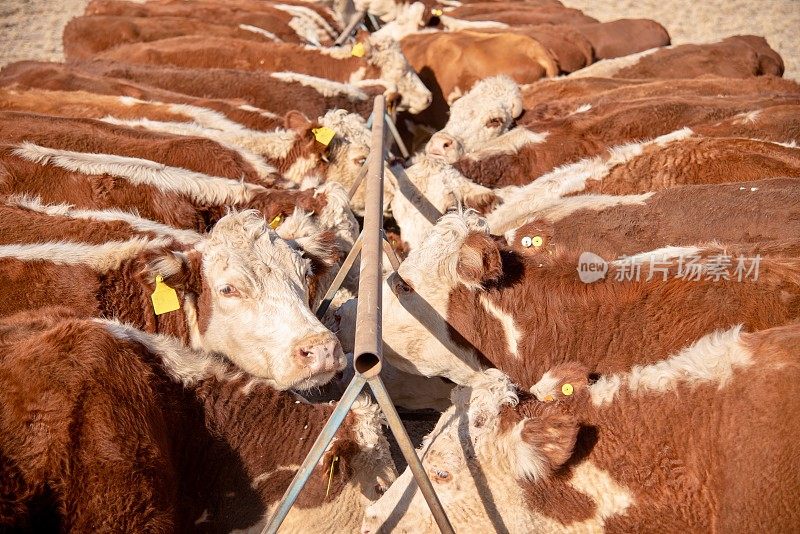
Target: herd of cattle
[[600, 285]]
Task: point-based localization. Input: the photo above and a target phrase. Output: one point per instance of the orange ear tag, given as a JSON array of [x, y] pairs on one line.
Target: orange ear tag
[[165, 299]]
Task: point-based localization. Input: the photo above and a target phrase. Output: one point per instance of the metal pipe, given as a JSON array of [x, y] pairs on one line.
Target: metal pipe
[[317, 450], [390, 253], [355, 21], [400, 144], [368, 339], [344, 270], [407, 448]]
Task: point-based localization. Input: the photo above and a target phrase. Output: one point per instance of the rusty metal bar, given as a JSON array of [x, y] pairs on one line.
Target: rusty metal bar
[[338, 280], [390, 253], [397, 139], [368, 340], [351, 26]]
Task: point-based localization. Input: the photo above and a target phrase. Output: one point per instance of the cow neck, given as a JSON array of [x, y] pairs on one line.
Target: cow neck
[[122, 296]]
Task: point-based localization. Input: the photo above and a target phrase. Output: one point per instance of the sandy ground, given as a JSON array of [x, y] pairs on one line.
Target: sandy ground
[[699, 21], [31, 29]]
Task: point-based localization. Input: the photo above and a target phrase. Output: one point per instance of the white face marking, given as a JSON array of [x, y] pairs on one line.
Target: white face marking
[[415, 331], [395, 69], [485, 112], [269, 279]]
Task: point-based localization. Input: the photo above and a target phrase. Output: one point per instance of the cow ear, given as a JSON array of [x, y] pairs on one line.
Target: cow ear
[[294, 120], [479, 260], [543, 443], [179, 270], [320, 248]]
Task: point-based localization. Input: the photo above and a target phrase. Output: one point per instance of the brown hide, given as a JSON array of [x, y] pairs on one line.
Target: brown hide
[[700, 456], [89, 135], [624, 37], [256, 88], [740, 212], [740, 56], [119, 444], [202, 52], [608, 325], [60, 77]]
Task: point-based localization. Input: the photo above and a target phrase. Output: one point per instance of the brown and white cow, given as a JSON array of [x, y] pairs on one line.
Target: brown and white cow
[[738, 56], [230, 91], [231, 287], [701, 440], [514, 13], [136, 432], [92, 136], [382, 61], [460, 301], [284, 22], [611, 226]]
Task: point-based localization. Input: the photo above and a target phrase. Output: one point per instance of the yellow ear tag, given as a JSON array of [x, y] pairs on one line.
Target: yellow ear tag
[[548, 398], [537, 241], [437, 12], [324, 135], [567, 389], [165, 299], [358, 50], [330, 477], [276, 222]]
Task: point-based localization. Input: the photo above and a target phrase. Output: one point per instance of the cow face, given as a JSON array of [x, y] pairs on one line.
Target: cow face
[[385, 53], [251, 291], [429, 188], [417, 337], [480, 457], [487, 111]]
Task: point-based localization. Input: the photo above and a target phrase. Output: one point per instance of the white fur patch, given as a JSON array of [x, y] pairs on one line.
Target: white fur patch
[[141, 224], [185, 366], [711, 359], [101, 258], [260, 31], [262, 112], [452, 24], [607, 68], [512, 333], [225, 139], [509, 143], [327, 88], [197, 186], [611, 498]]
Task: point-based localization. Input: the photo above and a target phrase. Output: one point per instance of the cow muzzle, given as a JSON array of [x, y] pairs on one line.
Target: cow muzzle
[[319, 354], [446, 146]]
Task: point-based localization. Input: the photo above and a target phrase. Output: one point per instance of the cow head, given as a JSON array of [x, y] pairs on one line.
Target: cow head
[[457, 252], [409, 18], [427, 189], [385, 54], [487, 111], [246, 296], [482, 456]]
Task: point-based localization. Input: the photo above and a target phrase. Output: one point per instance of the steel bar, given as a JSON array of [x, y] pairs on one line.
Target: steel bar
[[376, 24], [397, 139], [317, 450], [407, 448], [344, 270], [360, 178], [390, 253], [368, 338], [348, 30]]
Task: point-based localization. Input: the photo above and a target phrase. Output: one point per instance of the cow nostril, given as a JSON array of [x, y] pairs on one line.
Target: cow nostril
[[447, 144]]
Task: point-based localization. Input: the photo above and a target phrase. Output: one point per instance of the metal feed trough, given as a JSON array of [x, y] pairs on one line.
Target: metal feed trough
[[368, 352]]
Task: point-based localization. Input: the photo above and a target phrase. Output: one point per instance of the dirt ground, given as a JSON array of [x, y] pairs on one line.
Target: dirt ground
[[31, 29]]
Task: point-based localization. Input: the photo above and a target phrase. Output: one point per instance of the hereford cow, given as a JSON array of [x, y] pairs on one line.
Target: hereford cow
[[612, 226], [85, 37], [702, 440], [739, 56], [295, 153], [524, 154], [92, 136], [460, 301], [232, 92], [228, 289], [515, 14], [284, 24], [382, 61], [139, 433]]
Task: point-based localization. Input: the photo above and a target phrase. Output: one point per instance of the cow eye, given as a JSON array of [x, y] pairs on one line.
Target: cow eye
[[440, 475], [229, 291], [360, 161], [401, 287], [380, 489], [495, 122]]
